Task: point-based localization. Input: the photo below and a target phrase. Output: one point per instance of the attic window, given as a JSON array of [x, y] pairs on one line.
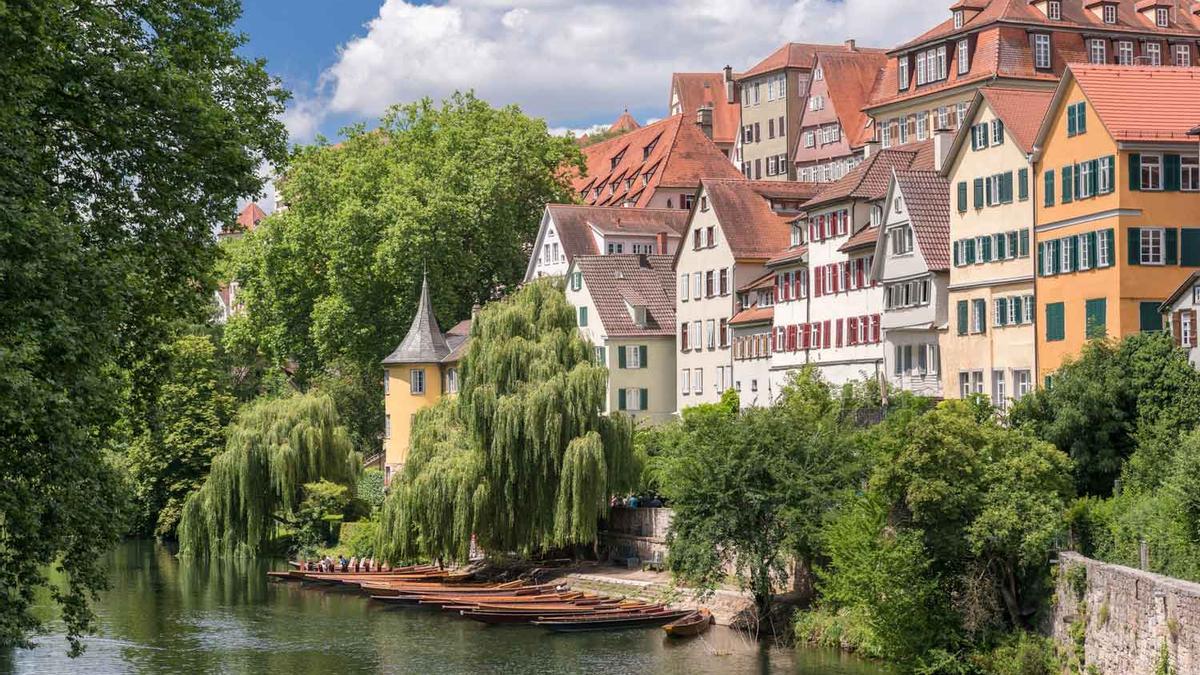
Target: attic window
[[617, 159], [1110, 14], [649, 148], [1054, 10], [1162, 17], [958, 18]]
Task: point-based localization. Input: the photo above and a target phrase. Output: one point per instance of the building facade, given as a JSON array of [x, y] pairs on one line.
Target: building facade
[[1118, 224], [989, 347], [692, 93], [834, 130], [912, 266], [751, 328], [570, 230], [735, 228], [625, 305], [1179, 316]]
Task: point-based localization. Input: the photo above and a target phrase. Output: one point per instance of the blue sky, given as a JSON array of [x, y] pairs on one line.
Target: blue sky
[[573, 64]]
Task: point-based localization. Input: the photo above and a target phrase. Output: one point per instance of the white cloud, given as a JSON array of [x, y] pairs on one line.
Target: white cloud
[[571, 61]]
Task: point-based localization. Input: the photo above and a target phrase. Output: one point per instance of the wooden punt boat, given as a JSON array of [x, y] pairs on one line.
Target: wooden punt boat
[[421, 594], [693, 624], [533, 600], [495, 617], [573, 624], [440, 600], [383, 587]]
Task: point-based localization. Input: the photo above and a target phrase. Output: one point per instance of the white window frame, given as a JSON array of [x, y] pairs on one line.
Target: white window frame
[[1110, 13], [1186, 329], [698, 381], [1097, 51], [1154, 53], [902, 71], [416, 381], [1162, 17], [1102, 249], [1054, 10], [1041, 51], [1022, 382], [1125, 52], [1027, 309], [1084, 253], [1154, 171], [1066, 247], [999, 390], [1152, 246], [685, 381], [1183, 55], [1085, 182], [1189, 173], [964, 56], [633, 356], [1104, 180], [958, 19]]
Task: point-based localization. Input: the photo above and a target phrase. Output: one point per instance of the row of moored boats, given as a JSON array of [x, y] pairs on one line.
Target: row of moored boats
[[552, 606]]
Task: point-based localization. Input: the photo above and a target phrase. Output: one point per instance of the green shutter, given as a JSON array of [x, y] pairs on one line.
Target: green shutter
[[620, 399], [1023, 184], [1092, 252], [1018, 309], [1149, 317], [969, 251], [1006, 187], [1068, 184], [1189, 240], [1041, 259], [1001, 311], [985, 250], [1135, 246], [1135, 171], [1094, 177], [642, 354], [962, 317], [1054, 322], [1075, 254], [1112, 247], [1096, 318], [1072, 126], [981, 310], [999, 246], [957, 258], [1024, 250], [582, 317], [1053, 249], [1081, 118], [1049, 189], [1171, 167], [1171, 244], [978, 193], [621, 358], [645, 399], [962, 196]]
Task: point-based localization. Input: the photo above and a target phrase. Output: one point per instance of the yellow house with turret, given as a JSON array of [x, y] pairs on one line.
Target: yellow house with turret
[[1118, 215], [417, 374]]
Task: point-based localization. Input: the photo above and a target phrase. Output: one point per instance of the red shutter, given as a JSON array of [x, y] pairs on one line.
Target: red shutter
[[860, 267], [796, 283], [683, 337], [1177, 328], [1193, 343], [840, 334], [827, 334], [852, 330], [818, 287], [875, 328], [846, 275], [791, 338]]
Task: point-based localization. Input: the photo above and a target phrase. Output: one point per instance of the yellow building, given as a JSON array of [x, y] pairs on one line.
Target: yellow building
[[416, 375], [1118, 215]]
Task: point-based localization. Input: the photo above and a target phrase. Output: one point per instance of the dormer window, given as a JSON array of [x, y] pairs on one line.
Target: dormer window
[[1054, 10], [902, 71], [958, 18], [617, 159], [1162, 17], [1041, 51], [1110, 14], [819, 73], [797, 234], [637, 313], [649, 148]]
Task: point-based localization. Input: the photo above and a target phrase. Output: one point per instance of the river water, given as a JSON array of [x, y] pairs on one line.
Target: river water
[[163, 615]]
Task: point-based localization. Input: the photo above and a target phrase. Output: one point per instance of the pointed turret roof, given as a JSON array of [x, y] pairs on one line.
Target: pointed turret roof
[[625, 123], [424, 342]]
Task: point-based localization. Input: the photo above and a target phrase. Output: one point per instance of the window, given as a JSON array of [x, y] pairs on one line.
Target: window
[[583, 317], [960, 112], [1105, 182], [1162, 17], [416, 381], [1066, 249], [979, 136], [1055, 330], [999, 395], [723, 281], [902, 71], [1186, 332], [964, 385], [1110, 13], [1151, 172], [1183, 55], [958, 18], [697, 285], [1096, 51], [1041, 51], [685, 381], [1189, 169], [922, 126], [1125, 52], [943, 117], [810, 139], [710, 235], [979, 316], [686, 201], [387, 426], [1103, 248], [1154, 53], [931, 65], [1086, 179], [1022, 383], [1149, 318], [615, 248], [964, 56], [816, 102], [632, 356], [1085, 252], [1054, 9], [709, 284], [710, 332], [1152, 245], [452, 380], [977, 382], [1095, 318], [698, 381]]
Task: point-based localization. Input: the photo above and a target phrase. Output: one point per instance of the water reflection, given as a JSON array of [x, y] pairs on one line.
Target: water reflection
[[164, 616]]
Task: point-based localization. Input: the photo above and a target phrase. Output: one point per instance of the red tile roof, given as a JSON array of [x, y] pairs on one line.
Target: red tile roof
[[575, 222], [790, 255], [673, 152], [927, 197], [1021, 110], [250, 216], [797, 55], [1142, 103], [850, 78], [752, 228], [755, 314], [697, 89], [870, 179], [765, 281], [625, 123], [614, 280], [861, 239], [1001, 46]]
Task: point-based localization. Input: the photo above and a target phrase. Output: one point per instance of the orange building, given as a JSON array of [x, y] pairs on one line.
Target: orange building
[[1117, 203]]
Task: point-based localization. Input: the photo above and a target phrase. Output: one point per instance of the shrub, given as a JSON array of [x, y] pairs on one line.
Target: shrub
[[370, 488]]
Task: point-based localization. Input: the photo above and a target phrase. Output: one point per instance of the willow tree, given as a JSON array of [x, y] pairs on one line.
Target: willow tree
[[274, 448], [523, 457]]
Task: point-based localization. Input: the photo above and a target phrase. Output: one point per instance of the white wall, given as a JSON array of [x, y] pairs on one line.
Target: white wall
[[541, 265], [752, 376]]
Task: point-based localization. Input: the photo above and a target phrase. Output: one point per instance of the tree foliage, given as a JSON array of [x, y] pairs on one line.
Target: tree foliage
[[749, 488], [186, 428], [522, 458], [332, 283], [127, 131], [275, 448]]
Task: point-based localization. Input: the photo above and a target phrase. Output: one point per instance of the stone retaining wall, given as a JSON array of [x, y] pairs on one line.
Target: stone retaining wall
[[640, 531], [1129, 615]]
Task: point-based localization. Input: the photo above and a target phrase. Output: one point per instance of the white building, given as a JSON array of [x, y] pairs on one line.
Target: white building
[[912, 263], [735, 226], [751, 328], [568, 230], [625, 305], [1179, 314], [833, 316]]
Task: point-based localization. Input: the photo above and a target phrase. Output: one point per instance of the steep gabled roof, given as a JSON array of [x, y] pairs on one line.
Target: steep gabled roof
[[927, 198], [797, 55], [1142, 103], [250, 216], [1021, 110], [752, 228], [424, 342], [615, 282], [851, 77], [870, 179], [699, 89], [575, 223]]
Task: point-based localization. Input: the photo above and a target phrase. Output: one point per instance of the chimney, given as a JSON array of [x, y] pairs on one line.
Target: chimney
[[851, 45], [943, 138], [704, 118], [662, 243], [728, 83]]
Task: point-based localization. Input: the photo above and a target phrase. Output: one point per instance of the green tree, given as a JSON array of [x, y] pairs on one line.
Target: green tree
[[275, 449], [319, 512], [331, 284], [1114, 394], [522, 457], [171, 457], [127, 132], [750, 488]]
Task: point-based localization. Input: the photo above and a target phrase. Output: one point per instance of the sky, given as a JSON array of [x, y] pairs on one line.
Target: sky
[[575, 64]]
